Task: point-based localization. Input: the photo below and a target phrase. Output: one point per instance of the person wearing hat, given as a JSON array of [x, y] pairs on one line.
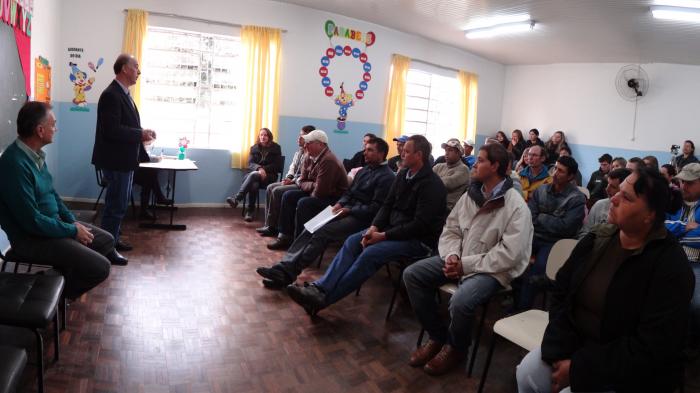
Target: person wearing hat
[[395, 161], [467, 157], [453, 172], [323, 180], [685, 225]]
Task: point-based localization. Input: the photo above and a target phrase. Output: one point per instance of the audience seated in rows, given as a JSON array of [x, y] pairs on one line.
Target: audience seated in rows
[[274, 191], [688, 156], [454, 173], [358, 160], [357, 208], [634, 163], [557, 213], [534, 138], [263, 165], [38, 224], [535, 174], [553, 145], [502, 139], [408, 225], [684, 224], [484, 245], [619, 307], [599, 211], [597, 185], [323, 180], [517, 144]]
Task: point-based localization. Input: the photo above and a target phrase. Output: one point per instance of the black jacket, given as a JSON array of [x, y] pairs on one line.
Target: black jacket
[[270, 158], [118, 131], [414, 209], [596, 186], [644, 319], [368, 191]]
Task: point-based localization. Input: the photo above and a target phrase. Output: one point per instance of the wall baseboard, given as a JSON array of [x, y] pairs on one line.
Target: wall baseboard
[[181, 205]]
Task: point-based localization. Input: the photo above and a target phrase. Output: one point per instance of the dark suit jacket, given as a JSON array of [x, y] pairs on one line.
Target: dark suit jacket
[[118, 131]]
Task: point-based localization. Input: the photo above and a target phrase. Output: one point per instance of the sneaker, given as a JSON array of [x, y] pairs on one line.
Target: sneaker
[[233, 202], [311, 298]]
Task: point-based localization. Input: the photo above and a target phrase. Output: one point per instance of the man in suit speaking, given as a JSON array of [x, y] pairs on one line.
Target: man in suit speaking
[[118, 139]]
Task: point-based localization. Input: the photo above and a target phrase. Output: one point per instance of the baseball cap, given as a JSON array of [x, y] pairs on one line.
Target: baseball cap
[[454, 143], [469, 142], [401, 139], [689, 172], [316, 135]]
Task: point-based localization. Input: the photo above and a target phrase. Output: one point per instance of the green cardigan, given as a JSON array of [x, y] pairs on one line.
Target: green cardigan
[[29, 205]]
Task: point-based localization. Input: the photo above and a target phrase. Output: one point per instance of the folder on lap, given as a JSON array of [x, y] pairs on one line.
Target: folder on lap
[[321, 219]]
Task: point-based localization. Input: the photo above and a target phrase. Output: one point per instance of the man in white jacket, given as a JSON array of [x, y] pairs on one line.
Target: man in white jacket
[[486, 242]]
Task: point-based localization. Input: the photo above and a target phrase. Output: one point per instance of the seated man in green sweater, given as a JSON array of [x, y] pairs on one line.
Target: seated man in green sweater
[[39, 226]]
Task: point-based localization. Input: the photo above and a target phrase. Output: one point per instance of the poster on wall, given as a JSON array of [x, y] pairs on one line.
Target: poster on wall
[[351, 84], [18, 15], [42, 80], [82, 77]]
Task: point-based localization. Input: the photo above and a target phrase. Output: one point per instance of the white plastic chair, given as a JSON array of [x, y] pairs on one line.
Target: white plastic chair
[[585, 192], [526, 329]]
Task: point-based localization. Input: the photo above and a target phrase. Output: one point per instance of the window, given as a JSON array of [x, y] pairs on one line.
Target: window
[[432, 107], [190, 87]]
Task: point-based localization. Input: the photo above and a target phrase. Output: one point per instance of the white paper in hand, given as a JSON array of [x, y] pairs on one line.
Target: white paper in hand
[[320, 219]]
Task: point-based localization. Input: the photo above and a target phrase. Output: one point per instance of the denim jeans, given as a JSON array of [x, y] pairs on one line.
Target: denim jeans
[[535, 376], [524, 290], [694, 317], [354, 264], [116, 200], [423, 279], [250, 186]]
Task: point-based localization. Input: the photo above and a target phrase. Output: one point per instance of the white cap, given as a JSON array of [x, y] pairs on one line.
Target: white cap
[[316, 135], [469, 142]]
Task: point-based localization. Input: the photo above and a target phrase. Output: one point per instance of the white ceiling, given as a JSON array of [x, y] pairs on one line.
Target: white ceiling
[[567, 31]]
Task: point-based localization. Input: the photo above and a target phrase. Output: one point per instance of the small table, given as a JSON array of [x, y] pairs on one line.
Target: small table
[[173, 167]]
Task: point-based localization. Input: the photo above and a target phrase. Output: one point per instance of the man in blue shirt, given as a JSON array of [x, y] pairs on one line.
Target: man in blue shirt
[[38, 224]]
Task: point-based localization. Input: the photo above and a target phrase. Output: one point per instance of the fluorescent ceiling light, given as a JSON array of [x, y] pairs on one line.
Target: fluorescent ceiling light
[[679, 3], [685, 14], [496, 20], [507, 28]]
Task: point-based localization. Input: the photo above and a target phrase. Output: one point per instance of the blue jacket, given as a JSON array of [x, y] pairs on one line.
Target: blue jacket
[[677, 228]]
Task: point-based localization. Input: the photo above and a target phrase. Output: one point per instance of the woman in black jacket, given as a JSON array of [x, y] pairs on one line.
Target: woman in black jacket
[[263, 165], [619, 312]]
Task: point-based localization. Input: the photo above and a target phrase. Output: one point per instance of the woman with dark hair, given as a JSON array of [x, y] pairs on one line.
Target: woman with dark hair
[[553, 145], [620, 303], [263, 164], [516, 145], [534, 138], [669, 171], [502, 139], [687, 157]]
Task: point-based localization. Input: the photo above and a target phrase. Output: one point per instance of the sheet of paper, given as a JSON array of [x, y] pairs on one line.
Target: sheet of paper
[[320, 219]]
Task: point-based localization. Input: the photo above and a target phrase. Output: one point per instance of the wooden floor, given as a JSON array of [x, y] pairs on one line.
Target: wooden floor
[[188, 314]]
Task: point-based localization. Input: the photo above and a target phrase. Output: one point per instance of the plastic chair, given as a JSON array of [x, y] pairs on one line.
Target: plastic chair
[[585, 192], [526, 329]]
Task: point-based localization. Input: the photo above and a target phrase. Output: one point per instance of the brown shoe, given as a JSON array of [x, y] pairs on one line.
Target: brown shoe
[[445, 360], [423, 354]]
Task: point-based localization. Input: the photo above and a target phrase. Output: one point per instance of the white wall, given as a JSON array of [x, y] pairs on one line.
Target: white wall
[[97, 26], [582, 100], [46, 35]]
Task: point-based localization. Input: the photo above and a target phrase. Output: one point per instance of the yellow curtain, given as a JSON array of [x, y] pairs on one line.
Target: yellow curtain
[[134, 37], [468, 84], [261, 62], [395, 109]]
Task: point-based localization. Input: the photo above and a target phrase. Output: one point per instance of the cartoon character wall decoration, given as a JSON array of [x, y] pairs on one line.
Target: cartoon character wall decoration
[[345, 100], [82, 83]]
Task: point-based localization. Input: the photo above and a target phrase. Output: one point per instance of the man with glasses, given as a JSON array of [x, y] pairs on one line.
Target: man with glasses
[[535, 174]]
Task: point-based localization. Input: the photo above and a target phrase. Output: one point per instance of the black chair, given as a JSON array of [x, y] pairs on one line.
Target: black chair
[[12, 364], [30, 301], [401, 264], [256, 201], [102, 183]]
